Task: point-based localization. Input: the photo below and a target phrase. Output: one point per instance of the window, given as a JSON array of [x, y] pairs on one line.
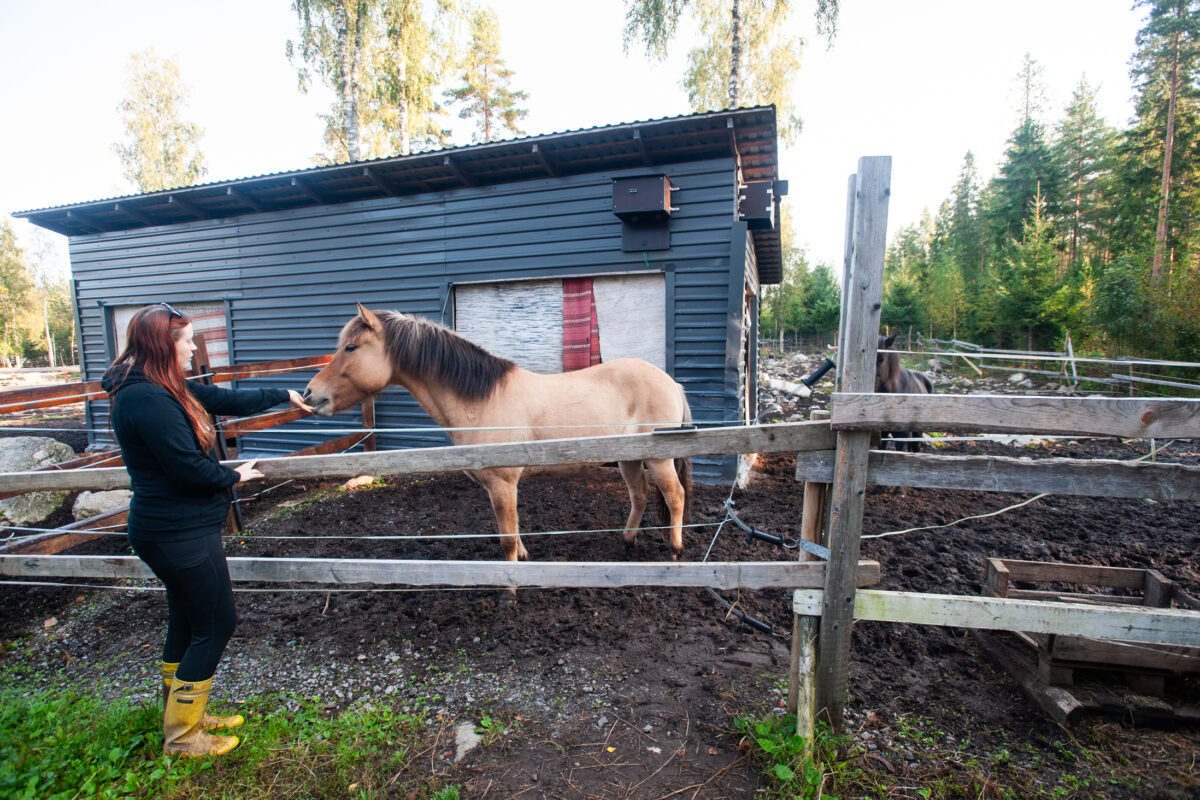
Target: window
[[208, 320], [542, 327]]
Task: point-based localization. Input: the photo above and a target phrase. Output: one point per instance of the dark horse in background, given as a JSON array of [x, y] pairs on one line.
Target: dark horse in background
[[892, 378]]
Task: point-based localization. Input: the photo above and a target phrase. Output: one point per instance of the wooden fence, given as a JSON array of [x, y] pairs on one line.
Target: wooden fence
[[835, 464], [95, 464]]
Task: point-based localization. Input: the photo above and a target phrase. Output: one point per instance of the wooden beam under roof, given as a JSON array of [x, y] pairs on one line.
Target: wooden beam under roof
[[186, 206], [308, 191], [76, 220], [244, 198], [453, 166], [380, 184], [129, 211], [641, 146], [545, 161]]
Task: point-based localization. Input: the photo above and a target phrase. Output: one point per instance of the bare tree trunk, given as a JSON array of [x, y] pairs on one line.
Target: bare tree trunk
[[49, 338], [349, 58], [403, 120], [1160, 235], [735, 55]]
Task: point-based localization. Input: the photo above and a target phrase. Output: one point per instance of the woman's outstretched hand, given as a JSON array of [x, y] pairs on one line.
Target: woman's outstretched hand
[[297, 400], [247, 472]]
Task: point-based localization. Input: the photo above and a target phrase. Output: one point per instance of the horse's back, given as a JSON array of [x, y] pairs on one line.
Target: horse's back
[[620, 396]]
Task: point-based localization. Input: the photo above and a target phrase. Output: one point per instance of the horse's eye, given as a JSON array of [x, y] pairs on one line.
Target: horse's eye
[[350, 348]]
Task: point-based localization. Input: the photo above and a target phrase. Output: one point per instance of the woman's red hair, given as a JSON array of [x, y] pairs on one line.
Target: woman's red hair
[[150, 346]]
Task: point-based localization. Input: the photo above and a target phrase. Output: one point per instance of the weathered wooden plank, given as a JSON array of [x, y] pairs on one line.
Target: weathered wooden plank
[[58, 394], [264, 421], [1131, 417], [235, 372], [856, 373], [784, 437], [1127, 623], [566, 574], [111, 458], [1088, 574], [1068, 476], [68, 536]]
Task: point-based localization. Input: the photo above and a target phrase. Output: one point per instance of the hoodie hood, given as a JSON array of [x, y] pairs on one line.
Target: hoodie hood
[[122, 376]]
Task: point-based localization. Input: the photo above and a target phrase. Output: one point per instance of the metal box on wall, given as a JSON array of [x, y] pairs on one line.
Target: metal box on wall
[[756, 204], [643, 197]]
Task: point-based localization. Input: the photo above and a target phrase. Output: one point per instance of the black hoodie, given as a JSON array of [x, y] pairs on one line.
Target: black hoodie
[[179, 491]]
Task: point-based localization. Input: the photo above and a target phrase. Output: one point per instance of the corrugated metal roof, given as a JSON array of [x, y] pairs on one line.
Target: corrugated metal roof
[[748, 132]]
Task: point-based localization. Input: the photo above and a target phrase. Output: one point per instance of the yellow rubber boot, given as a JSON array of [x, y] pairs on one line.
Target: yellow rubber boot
[[208, 721], [182, 733]]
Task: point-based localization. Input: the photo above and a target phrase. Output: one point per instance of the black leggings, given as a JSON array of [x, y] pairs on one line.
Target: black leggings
[[200, 610]]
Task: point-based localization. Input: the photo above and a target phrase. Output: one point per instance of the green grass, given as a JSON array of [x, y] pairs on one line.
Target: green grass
[[69, 746], [794, 771]]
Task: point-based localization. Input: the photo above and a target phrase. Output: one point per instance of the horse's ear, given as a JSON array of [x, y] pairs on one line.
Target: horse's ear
[[369, 318], [888, 342]]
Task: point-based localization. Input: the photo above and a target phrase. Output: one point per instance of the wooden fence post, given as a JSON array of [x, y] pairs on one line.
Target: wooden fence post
[[862, 299], [368, 423], [801, 679]]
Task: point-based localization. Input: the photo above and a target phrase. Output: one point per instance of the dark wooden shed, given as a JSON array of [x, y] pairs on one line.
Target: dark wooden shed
[[672, 223]]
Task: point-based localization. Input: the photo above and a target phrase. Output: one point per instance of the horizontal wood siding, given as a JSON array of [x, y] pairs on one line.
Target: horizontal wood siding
[[293, 277]]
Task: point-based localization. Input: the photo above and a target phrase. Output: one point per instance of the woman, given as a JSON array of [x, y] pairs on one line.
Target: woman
[[180, 501]]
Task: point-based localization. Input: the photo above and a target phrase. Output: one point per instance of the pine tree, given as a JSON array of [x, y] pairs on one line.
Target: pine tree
[[1027, 279], [1165, 66], [1083, 151], [1028, 169], [160, 150], [483, 91]]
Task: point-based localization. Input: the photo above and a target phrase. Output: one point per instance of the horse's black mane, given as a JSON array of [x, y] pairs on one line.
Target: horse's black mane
[[429, 351]]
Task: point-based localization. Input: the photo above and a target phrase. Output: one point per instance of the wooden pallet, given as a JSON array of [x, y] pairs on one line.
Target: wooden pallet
[[1048, 666]]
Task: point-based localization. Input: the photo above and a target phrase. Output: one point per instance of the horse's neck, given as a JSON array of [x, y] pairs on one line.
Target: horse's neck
[[446, 408]]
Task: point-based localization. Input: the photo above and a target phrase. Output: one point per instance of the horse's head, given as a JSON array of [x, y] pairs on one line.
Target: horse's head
[[360, 367], [887, 365]]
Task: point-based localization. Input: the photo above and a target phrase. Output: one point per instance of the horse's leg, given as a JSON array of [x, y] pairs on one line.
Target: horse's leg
[[639, 490], [667, 481], [502, 490]]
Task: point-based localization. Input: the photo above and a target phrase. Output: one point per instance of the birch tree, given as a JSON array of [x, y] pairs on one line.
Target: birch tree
[[747, 55], [334, 35], [161, 150]]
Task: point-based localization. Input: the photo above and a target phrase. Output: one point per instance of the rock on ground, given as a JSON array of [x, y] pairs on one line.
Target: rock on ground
[[19, 453]]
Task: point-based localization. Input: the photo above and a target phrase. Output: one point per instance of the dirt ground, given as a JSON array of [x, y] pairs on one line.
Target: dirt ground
[[633, 693]]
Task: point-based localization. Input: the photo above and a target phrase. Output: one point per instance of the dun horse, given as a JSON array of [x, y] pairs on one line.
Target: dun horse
[[892, 378], [481, 398]]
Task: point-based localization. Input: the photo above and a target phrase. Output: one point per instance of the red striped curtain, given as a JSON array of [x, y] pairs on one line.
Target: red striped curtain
[[581, 329]]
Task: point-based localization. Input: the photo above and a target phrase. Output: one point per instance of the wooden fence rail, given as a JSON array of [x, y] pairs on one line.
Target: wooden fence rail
[[1073, 476], [1129, 417], [31, 397], [1128, 623], [784, 437], [505, 574]]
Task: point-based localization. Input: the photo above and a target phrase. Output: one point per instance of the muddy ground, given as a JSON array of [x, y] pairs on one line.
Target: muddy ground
[[633, 693]]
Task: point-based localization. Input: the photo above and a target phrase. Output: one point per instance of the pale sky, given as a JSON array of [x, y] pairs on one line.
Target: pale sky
[[922, 82]]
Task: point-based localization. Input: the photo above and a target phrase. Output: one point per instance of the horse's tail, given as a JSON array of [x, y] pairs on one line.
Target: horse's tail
[[925, 380], [683, 469]]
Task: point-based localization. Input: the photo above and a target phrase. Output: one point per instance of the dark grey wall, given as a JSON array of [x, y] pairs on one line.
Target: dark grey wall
[[291, 278]]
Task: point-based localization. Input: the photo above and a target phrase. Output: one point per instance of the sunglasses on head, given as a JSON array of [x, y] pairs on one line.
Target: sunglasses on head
[[172, 311]]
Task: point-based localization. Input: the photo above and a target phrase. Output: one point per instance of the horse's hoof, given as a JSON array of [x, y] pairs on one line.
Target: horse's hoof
[[628, 549], [508, 598]]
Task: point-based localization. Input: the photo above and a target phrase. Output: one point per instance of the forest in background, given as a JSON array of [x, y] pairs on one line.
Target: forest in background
[[398, 71], [1085, 228]]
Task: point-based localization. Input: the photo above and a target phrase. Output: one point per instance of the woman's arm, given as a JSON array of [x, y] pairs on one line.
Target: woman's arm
[[242, 402]]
